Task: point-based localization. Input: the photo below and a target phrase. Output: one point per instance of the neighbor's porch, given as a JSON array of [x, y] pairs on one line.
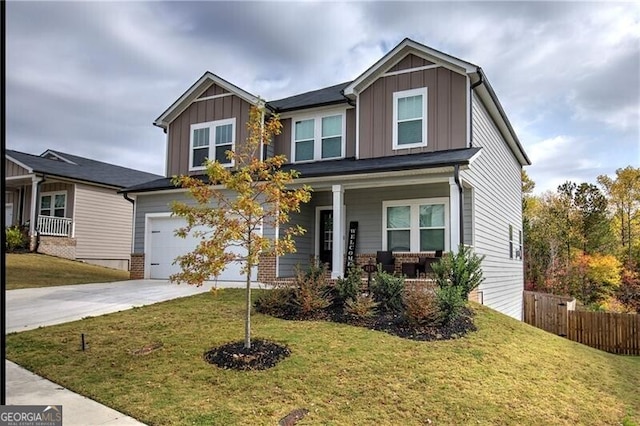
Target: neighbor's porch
[[410, 216]]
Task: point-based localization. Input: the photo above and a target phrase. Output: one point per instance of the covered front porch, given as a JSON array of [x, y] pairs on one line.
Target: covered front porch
[[412, 214]]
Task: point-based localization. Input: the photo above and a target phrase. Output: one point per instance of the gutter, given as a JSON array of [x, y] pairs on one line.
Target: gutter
[[456, 178], [126, 197]]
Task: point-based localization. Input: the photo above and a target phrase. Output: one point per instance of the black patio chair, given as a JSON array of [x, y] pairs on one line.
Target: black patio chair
[[386, 261]]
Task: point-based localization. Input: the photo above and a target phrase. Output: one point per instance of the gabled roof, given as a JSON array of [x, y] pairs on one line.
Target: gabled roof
[[351, 166], [321, 97], [404, 48], [199, 87], [79, 168]]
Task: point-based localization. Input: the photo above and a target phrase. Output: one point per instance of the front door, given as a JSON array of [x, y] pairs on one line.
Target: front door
[[326, 237]]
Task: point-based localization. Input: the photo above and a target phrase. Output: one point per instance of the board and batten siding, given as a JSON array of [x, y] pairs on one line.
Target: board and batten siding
[[59, 187], [446, 112], [11, 169], [496, 178], [179, 130], [102, 226]]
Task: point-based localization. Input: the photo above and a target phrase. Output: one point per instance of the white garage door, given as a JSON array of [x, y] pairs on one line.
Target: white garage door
[[164, 247]]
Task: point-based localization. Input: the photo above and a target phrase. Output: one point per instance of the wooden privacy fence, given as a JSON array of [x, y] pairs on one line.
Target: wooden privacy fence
[[611, 332]]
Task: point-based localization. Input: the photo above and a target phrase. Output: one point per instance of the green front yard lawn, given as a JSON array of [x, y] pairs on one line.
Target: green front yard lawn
[[505, 373], [30, 270]]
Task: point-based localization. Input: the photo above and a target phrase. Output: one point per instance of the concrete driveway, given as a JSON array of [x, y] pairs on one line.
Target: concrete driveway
[[34, 307]]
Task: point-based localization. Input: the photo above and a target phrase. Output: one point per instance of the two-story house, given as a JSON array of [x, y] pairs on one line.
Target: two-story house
[[417, 152]]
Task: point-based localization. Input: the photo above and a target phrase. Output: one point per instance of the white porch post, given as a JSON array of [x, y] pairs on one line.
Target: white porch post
[[454, 215], [33, 217], [338, 232]]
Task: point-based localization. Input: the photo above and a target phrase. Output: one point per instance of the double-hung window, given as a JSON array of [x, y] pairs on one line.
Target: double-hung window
[[212, 140], [53, 204], [318, 138], [416, 225], [410, 118]]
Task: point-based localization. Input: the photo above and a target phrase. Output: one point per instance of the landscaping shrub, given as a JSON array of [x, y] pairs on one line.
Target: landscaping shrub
[[279, 302], [360, 307], [462, 270], [348, 288], [311, 290], [421, 305], [387, 290], [15, 239], [450, 302]]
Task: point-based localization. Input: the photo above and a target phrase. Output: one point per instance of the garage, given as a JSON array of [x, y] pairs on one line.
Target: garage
[[163, 247]]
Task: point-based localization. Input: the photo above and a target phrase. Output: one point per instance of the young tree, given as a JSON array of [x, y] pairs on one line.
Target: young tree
[[234, 204]]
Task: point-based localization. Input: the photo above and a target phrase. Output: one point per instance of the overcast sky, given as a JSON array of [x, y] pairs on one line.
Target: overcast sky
[[90, 78]]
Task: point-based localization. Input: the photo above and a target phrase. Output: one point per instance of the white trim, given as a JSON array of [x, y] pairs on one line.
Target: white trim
[[208, 98], [317, 134], [316, 251], [73, 216], [414, 230], [468, 109], [133, 222], [24, 166], [408, 70], [454, 213], [58, 156], [21, 177], [212, 126], [314, 112], [34, 204], [166, 151], [337, 263], [52, 194], [424, 92]]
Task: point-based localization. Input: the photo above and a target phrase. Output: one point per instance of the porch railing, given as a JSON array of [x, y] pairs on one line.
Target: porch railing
[[55, 226]]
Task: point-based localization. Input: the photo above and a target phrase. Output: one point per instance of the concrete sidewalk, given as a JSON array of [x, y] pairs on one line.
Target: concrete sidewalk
[[33, 308]]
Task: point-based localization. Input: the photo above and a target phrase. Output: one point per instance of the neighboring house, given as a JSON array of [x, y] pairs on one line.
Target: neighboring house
[[72, 206], [417, 150]]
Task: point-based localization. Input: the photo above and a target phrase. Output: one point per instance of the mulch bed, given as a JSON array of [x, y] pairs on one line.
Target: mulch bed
[[262, 355]]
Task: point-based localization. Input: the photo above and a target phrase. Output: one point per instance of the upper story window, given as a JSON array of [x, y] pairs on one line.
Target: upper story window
[[410, 118], [211, 140], [53, 204], [318, 138], [415, 225]]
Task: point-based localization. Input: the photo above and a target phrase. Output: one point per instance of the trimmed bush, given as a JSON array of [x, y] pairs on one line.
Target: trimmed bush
[[421, 305], [348, 288], [360, 307], [450, 302], [387, 290], [15, 238], [462, 270]]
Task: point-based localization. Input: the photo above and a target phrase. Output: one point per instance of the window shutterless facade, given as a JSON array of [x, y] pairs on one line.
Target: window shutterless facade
[[53, 204], [320, 137], [212, 140], [410, 118], [415, 225]]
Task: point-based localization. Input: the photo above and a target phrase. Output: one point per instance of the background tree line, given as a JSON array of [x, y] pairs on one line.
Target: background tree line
[[583, 240]]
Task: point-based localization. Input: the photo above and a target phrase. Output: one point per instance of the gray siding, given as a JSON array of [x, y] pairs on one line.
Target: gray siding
[[152, 203], [200, 112], [495, 176], [304, 243], [468, 216], [102, 224], [446, 115]]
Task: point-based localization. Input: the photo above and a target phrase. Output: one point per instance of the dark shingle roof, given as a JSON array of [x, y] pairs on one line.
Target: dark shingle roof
[[351, 166], [84, 169], [326, 96]]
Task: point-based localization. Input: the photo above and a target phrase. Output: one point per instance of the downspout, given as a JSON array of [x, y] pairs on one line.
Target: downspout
[[456, 178], [473, 86], [126, 197]]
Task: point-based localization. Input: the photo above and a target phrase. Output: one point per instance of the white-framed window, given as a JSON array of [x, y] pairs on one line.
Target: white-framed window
[[515, 247], [415, 225], [212, 140], [320, 137], [53, 204], [410, 118]]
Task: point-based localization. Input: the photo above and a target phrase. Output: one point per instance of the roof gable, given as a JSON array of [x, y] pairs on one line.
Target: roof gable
[[79, 168], [196, 90], [403, 49]]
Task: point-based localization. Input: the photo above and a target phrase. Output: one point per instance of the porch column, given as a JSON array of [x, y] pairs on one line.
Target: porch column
[[33, 216], [338, 232], [454, 215]]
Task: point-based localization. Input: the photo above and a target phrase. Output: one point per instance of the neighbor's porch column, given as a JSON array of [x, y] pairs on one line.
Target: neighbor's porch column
[[33, 217], [338, 232], [454, 216]]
